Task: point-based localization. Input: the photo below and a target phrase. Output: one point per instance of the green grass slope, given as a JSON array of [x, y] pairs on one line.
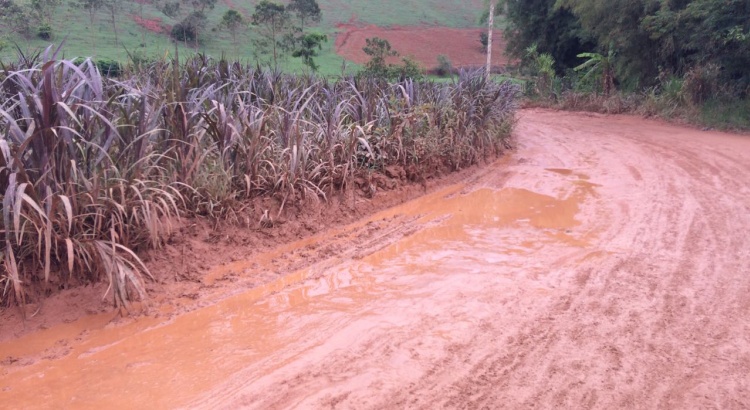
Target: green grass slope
[[82, 38]]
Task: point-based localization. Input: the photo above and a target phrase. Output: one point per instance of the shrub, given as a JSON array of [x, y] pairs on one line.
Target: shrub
[[444, 67], [409, 69], [189, 28], [701, 83], [106, 66], [44, 31], [484, 39]]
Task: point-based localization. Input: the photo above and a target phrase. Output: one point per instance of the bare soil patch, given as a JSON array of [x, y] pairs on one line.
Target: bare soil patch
[[424, 44], [155, 25]]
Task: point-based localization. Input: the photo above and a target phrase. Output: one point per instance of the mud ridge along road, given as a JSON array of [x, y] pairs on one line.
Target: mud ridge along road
[[603, 264]]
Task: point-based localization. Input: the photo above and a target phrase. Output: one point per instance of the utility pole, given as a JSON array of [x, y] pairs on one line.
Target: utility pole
[[489, 38]]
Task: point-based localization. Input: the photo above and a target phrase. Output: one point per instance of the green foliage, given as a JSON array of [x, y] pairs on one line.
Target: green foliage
[[189, 28], [444, 67], [308, 46], [15, 18], [232, 19], [171, 9], [701, 83], [601, 65], [542, 68], [273, 23], [731, 114], [203, 5], [555, 31], [43, 10], [379, 50], [305, 11], [106, 66], [44, 31], [409, 69], [92, 170], [652, 37], [139, 58], [138, 27], [233, 22], [268, 13], [639, 42]]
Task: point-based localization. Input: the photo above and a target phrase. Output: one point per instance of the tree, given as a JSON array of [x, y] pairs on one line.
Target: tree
[[702, 33], [654, 39], [232, 21], [554, 30], [272, 19], [113, 7], [91, 6], [44, 10], [202, 5], [309, 44], [15, 18], [171, 9], [379, 50], [190, 26], [542, 68], [599, 63], [619, 23], [305, 10]]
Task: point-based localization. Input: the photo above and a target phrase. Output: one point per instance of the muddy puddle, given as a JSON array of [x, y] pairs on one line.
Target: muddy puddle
[[459, 238]]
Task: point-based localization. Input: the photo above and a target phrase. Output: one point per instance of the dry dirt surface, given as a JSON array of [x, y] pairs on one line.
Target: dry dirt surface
[[604, 264], [424, 44]]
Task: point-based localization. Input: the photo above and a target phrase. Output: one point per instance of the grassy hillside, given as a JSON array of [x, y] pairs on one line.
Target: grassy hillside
[[143, 29]]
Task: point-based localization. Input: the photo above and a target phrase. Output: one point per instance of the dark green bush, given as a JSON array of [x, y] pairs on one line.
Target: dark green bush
[[106, 66], [188, 29], [44, 32], [444, 67]]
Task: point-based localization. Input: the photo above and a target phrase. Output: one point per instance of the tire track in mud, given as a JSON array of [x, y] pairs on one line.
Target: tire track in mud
[[603, 265], [654, 314], [662, 324]]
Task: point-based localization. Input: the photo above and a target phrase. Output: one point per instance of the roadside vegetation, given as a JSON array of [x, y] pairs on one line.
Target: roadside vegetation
[[687, 60], [95, 169]]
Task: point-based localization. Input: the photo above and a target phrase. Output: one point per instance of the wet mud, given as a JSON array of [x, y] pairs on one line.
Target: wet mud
[[602, 265]]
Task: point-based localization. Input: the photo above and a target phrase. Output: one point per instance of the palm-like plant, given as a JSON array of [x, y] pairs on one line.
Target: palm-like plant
[[602, 65]]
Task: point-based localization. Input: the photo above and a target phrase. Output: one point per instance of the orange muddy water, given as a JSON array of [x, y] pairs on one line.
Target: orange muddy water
[[604, 264]]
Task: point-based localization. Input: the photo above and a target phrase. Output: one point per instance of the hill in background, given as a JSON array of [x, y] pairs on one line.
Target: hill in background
[[143, 29]]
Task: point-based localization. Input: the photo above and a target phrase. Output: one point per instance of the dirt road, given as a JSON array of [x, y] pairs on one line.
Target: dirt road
[[604, 264]]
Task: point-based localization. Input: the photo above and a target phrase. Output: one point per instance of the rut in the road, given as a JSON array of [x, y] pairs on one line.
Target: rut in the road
[[603, 265]]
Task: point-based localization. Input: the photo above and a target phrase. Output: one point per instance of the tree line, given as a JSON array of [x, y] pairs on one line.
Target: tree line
[[636, 43], [279, 29]]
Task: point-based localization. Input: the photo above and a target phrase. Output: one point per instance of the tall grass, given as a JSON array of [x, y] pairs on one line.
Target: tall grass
[[94, 169], [699, 97]]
